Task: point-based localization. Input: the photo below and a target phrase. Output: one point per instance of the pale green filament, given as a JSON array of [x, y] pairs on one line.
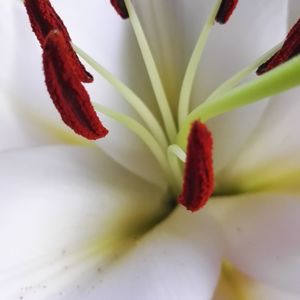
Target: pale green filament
[[178, 152], [176, 170], [144, 135], [189, 77], [278, 80], [155, 79], [175, 153], [128, 95], [237, 78]]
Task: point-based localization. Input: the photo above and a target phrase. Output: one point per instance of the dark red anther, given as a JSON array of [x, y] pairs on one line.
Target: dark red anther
[[225, 11], [198, 183], [289, 49], [120, 7], [67, 92], [44, 19]]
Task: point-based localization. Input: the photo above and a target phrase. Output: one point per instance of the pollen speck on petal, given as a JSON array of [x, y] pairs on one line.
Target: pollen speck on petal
[[43, 19], [66, 90], [198, 183], [289, 49], [225, 11], [120, 7]]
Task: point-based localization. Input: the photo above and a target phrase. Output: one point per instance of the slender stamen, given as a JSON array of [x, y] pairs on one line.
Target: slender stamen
[[137, 103], [176, 171], [178, 152], [144, 135], [120, 7], [198, 183], [280, 79], [67, 92], [290, 48], [191, 70], [226, 9], [241, 75], [156, 82]]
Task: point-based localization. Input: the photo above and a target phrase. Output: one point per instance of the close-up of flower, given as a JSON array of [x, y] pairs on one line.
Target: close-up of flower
[[150, 150]]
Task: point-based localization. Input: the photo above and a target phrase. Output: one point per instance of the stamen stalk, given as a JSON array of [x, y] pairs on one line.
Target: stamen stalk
[[129, 96], [278, 80], [178, 152], [238, 77], [176, 170], [155, 79], [143, 134], [189, 77]]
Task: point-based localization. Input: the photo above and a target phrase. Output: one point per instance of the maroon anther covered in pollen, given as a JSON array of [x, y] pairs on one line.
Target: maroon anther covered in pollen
[[44, 19], [66, 90], [225, 11], [120, 7], [198, 182], [289, 49]]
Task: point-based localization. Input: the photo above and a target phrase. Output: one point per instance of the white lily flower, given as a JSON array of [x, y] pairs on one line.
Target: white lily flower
[[86, 222]]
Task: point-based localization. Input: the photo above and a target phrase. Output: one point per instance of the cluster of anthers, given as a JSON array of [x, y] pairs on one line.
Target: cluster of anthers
[[188, 140]]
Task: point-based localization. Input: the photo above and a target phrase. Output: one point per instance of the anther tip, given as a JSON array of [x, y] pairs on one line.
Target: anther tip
[[120, 8], [226, 10]]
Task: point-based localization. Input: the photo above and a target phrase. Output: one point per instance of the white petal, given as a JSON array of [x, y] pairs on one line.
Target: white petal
[[270, 159], [7, 37], [231, 130], [11, 133], [294, 12], [17, 131], [130, 152], [262, 237], [179, 259], [66, 212]]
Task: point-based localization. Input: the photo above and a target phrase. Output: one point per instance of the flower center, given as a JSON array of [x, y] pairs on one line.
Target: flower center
[[183, 145]]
